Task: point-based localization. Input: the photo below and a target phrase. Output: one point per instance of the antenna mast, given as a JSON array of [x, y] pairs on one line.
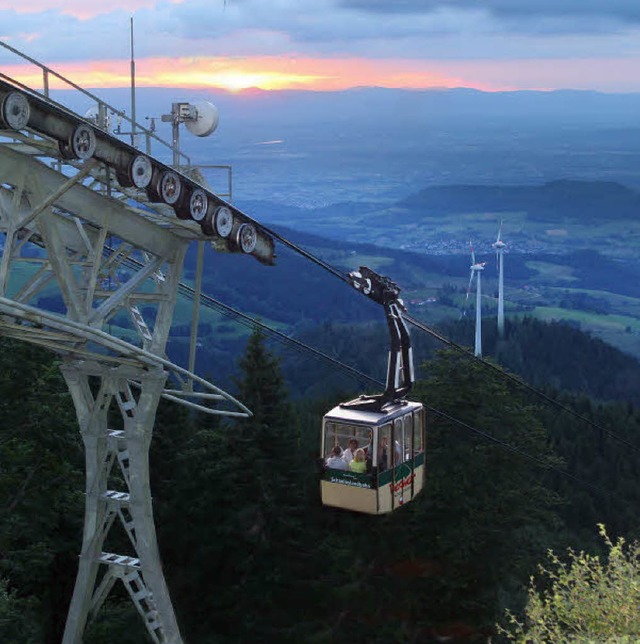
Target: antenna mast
[[133, 92]]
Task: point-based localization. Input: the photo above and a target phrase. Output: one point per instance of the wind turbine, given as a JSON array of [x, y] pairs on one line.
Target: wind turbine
[[476, 270], [499, 245]]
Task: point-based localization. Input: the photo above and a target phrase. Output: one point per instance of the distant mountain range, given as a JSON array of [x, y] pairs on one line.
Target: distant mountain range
[[315, 148], [387, 108], [552, 201]]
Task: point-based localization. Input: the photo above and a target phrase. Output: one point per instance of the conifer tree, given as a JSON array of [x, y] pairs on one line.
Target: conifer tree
[[261, 387], [240, 510], [41, 484], [18, 622], [489, 513]]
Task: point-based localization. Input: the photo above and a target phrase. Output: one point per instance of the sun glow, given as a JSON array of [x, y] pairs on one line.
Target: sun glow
[[238, 80], [238, 74]]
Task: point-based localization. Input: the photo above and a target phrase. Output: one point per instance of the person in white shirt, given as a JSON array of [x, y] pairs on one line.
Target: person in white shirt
[[335, 461], [348, 453]]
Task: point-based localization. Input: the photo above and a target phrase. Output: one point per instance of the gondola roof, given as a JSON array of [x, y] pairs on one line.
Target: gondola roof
[[359, 416]]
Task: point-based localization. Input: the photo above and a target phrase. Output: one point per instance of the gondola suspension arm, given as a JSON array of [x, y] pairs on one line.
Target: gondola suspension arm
[[400, 372]]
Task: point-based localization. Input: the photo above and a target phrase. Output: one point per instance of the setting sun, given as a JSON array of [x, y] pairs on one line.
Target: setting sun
[[238, 80], [238, 74]]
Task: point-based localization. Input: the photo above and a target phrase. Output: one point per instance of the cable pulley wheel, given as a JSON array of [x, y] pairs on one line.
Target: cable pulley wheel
[[140, 171], [83, 142], [223, 221], [247, 238], [217, 221], [198, 204], [170, 187], [15, 110]]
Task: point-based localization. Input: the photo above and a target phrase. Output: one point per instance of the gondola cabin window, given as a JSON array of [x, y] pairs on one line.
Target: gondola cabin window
[[384, 457], [342, 435], [418, 424]]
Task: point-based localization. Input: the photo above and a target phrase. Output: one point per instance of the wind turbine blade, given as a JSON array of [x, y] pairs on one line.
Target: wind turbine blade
[[473, 255], [499, 232], [470, 281]]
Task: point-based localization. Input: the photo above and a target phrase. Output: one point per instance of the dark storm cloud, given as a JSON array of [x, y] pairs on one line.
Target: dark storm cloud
[[623, 10]]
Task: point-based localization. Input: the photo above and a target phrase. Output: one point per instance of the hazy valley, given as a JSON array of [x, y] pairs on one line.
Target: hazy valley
[[427, 172]]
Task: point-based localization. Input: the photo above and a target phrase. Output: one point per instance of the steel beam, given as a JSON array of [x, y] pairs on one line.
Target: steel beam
[[140, 571]]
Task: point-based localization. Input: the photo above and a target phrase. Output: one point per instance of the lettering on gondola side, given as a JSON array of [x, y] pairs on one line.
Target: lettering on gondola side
[[396, 488], [335, 479], [348, 478], [404, 476]]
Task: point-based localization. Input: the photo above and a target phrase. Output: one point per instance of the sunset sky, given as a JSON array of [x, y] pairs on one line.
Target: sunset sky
[[331, 44]]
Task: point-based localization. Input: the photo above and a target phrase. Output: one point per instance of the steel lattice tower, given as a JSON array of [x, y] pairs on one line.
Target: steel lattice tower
[[78, 222]]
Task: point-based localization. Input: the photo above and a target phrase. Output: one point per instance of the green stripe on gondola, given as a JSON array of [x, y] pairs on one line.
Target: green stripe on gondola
[[404, 469], [401, 471], [348, 478], [385, 477], [366, 481]]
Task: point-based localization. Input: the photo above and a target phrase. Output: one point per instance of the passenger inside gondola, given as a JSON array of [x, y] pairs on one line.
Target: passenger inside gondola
[[349, 453], [358, 464], [383, 454], [335, 461]]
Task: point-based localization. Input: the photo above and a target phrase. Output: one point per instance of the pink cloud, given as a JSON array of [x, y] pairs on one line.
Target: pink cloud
[[235, 74], [276, 73], [81, 9]]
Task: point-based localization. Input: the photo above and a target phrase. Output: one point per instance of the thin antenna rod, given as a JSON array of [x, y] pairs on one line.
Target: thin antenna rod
[[133, 91]]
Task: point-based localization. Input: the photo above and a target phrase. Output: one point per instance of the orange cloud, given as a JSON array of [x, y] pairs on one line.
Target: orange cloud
[[275, 73], [267, 73], [280, 73]]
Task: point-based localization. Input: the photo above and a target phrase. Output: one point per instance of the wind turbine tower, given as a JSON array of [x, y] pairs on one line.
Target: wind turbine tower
[[476, 270], [499, 245]]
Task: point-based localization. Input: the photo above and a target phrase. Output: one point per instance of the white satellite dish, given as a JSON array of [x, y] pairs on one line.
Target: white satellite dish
[[92, 114], [205, 121]]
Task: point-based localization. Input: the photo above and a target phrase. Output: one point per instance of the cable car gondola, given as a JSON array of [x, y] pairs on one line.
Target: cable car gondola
[[387, 429]]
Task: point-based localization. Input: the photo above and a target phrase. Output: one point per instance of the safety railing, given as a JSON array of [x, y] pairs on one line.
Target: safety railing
[[103, 109]]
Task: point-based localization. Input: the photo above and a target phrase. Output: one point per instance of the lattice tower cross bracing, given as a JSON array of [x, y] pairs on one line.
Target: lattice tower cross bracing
[[73, 231]]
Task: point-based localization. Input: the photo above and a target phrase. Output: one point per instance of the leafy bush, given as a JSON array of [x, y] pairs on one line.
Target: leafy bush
[[587, 599]]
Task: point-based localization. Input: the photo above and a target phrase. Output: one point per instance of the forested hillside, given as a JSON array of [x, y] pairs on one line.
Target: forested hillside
[[552, 201], [553, 356], [250, 554], [557, 355]]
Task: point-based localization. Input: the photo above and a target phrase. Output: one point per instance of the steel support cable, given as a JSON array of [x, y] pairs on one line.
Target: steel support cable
[[298, 249], [251, 323], [227, 310], [423, 327], [210, 302], [515, 450], [521, 383], [247, 320], [316, 260]]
